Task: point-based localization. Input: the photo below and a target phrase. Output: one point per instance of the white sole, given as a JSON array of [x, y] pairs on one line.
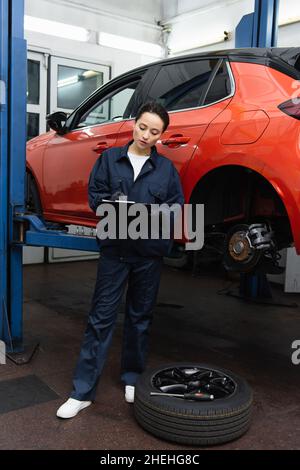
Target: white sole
[[74, 414]]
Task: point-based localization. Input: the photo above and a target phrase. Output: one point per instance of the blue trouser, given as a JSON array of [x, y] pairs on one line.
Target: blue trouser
[[143, 278]]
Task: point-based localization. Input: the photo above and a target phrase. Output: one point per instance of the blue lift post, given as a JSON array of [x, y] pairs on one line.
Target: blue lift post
[[257, 29], [13, 107], [3, 168], [16, 169], [16, 227]]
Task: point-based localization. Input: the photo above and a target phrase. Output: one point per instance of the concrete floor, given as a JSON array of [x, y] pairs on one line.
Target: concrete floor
[[192, 323]]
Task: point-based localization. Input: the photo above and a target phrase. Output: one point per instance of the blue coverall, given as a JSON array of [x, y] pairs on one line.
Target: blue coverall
[[136, 262]]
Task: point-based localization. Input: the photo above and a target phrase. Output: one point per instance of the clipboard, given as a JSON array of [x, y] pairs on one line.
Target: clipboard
[[118, 202]]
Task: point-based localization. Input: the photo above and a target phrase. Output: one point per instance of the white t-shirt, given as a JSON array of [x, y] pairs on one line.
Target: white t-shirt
[[137, 162]]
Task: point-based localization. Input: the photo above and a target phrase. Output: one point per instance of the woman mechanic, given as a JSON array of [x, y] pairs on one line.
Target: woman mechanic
[[139, 172]]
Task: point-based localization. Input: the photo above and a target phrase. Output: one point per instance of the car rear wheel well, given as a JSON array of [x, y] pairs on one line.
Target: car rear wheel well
[[234, 194]]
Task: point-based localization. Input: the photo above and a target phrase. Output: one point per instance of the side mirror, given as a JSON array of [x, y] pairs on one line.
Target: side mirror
[[55, 121]]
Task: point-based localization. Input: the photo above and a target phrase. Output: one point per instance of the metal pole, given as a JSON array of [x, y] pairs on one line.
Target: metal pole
[[17, 164], [265, 23], [3, 168], [12, 166], [260, 28]]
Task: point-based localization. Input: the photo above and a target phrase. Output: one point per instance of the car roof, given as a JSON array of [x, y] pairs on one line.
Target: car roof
[[285, 59]]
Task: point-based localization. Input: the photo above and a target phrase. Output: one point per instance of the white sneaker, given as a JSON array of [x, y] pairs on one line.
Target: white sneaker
[[71, 408], [129, 393]]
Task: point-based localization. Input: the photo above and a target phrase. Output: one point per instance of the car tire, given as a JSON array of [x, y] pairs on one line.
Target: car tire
[[33, 200], [198, 423]]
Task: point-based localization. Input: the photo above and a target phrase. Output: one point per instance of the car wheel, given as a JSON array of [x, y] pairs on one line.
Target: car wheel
[[33, 201], [186, 421]]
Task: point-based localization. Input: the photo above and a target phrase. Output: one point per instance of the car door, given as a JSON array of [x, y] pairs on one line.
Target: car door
[[181, 85], [69, 158]]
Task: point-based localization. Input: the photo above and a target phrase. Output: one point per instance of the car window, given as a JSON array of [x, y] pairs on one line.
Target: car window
[[181, 86], [220, 86], [110, 108]]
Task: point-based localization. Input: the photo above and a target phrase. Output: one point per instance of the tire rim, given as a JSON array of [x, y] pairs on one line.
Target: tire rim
[[194, 379]]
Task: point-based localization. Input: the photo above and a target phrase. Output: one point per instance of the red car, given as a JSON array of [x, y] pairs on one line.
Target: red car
[[234, 137]]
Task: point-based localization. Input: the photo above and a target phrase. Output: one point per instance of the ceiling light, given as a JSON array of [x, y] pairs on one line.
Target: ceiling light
[[54, 28], [227, 36], [67, 81], [289, 20], [128, 44], [90, 74]]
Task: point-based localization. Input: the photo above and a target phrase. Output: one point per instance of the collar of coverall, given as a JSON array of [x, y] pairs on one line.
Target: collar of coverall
[[153, 153]]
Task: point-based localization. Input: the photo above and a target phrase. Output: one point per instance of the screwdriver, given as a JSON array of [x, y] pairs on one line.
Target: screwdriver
[[197, 396]]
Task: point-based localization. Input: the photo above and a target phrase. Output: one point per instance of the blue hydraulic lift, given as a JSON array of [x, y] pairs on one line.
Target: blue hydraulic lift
[[12, 166], [17, 228], [257, 29]]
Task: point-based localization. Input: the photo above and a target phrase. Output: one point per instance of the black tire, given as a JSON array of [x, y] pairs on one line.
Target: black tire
[[33, 200], [198, 423], [34, 206]]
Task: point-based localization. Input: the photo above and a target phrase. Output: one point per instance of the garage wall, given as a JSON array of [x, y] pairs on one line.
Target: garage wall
[[134, 19], [289, 23], [198, 26], [197, 29], [289, 35]]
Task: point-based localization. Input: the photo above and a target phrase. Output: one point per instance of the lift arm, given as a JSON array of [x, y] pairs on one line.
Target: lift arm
[[31, 231]]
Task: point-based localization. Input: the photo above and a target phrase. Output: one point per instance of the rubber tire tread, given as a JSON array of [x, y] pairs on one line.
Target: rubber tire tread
[[190, 422]]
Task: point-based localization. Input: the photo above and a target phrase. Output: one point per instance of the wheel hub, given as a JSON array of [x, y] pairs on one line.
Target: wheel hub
[[239, 246]]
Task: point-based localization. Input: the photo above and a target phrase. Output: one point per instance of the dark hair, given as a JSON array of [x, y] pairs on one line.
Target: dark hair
[[156, 108]]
